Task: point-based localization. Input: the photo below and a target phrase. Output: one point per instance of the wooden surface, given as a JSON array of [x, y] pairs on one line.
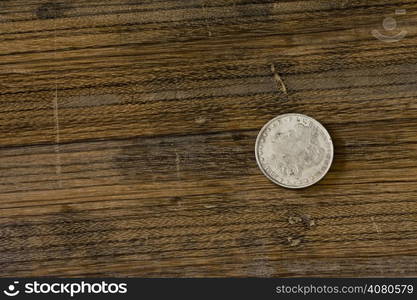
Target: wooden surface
[[127, 134]]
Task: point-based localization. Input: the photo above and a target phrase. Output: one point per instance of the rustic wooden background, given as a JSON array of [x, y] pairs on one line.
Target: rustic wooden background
[[127, 136]]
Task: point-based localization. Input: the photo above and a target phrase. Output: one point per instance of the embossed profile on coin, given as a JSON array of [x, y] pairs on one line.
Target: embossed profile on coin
[[294, 150]]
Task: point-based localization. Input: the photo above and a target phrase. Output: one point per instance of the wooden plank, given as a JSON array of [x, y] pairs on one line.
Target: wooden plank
[[127, 134]]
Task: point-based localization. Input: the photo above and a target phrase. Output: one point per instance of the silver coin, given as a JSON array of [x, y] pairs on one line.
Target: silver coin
[[294, 151]]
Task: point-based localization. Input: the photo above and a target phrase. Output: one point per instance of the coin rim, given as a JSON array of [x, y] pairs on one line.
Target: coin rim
[[273, 179]]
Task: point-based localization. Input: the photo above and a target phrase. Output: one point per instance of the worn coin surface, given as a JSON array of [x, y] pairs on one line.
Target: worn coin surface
[[294, 151]]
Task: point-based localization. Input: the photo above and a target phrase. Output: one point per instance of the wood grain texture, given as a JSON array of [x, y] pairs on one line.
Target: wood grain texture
[[127, 133]]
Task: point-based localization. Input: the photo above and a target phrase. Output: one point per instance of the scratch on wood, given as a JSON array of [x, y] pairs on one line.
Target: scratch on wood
[[206, 20], [294, 220], [15, 71], [278, 80], [177, 164], [209, 206], [293, 242], [57, 138], [208, 30], [58, 167], [306, 220], [200, 120], [377, 228]]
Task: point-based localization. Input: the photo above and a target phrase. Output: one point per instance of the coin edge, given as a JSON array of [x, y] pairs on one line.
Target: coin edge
[[283, 184]]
